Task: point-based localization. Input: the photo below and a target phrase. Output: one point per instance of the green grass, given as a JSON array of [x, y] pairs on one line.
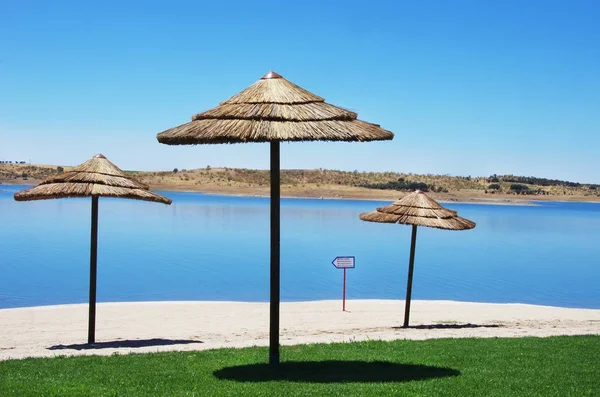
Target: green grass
[[556, 366]]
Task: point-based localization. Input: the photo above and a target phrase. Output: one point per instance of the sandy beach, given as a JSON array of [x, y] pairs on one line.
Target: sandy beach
[[122, 328]]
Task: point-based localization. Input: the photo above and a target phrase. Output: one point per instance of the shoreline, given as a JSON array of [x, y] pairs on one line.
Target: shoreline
[[336, 184], [233, 302], [368, 195], [141, 327], [490, 202], [501, 200]]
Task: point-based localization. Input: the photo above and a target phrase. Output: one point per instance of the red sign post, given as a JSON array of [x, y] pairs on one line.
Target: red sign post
[[344, 262]]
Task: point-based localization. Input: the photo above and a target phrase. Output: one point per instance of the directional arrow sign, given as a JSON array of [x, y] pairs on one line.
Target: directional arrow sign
[[344, 262]]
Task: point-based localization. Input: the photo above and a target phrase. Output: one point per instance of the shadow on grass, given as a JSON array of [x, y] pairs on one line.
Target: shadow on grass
[[125, 344], [333, 372], [450, 326]]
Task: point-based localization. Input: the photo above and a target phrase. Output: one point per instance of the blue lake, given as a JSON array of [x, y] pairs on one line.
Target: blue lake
[[209, 247]]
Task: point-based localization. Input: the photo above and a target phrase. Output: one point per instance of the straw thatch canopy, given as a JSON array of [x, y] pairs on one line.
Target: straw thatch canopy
[[417, 209], [421, 210], [96, 177], [273, 109]]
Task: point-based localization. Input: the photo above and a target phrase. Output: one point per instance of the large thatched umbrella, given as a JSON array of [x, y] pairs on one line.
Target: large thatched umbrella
[[95, 178], [274, 110], [417, 209]]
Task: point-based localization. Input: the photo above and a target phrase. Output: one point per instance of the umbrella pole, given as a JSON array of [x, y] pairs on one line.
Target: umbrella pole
[[93, 268], [275, 250], [411, 265]]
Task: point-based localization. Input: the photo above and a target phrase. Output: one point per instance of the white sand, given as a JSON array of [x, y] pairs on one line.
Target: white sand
[[26, 332]]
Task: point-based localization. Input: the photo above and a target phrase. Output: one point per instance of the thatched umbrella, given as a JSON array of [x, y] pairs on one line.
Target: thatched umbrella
[[95, 178], [274, 110], [417, 209]]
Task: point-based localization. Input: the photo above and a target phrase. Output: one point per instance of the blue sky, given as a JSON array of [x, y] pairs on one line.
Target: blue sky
[[468, 87]]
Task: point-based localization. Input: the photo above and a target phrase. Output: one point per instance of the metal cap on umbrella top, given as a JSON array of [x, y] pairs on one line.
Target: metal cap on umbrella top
[[95, 178], [274, 110], [417, 209]]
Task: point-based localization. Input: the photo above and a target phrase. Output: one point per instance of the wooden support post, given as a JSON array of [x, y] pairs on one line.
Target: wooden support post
[[411, 265], [275, 255], [93, 272]]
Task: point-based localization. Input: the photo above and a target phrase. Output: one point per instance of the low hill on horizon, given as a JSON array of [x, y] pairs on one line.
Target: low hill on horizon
[[332, 182]]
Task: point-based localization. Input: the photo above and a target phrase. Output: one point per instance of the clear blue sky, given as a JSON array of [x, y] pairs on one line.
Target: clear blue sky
[[468, 87]]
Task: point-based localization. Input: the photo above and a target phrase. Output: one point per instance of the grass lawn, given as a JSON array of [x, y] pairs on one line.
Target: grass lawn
[[556, 366]]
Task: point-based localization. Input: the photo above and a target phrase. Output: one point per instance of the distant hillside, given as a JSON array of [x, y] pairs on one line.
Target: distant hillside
[[311, 181], [16, 173]]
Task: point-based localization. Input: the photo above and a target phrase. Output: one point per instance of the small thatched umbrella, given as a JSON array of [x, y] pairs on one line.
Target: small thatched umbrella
[[417, 209], [274, 110], [94, 178]]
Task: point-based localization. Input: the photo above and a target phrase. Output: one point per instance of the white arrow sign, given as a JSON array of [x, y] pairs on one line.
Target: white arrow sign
[[344, 262]]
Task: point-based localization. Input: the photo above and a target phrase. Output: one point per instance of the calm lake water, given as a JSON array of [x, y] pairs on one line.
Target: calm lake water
[[209, 247]]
